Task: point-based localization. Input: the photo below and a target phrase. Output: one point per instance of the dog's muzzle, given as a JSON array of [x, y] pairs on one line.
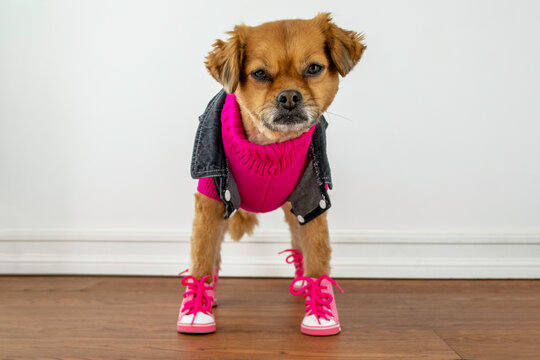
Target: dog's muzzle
[[290, 113]]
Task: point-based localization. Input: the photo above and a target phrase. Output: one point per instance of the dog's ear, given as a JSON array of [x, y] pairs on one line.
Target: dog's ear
[[344, 46], [225, 60]]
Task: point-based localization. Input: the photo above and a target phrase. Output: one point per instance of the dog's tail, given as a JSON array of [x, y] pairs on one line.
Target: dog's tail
[[242, 222]]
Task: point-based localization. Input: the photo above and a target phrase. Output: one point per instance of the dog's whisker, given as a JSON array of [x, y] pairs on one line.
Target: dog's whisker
[[341, 116]]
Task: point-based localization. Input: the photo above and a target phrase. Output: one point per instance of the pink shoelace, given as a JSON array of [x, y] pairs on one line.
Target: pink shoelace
[[317, 302], [295, 257], [201, 301]]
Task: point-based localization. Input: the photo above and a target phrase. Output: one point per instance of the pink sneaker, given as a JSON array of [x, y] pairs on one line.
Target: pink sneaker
[[295, 257], [213, 290], [196, 310], [321, 312]]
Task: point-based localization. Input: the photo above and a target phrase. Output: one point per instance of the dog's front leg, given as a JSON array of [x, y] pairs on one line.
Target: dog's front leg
[[321, 315], [200, 296], [209, 228], [313, 240]]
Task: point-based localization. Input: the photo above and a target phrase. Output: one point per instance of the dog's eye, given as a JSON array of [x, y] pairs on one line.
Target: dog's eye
[[313, 69], [261, 75]]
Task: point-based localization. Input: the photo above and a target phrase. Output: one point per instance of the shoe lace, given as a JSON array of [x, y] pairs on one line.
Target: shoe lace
[[201, 301], [317, 300], [295, 257]]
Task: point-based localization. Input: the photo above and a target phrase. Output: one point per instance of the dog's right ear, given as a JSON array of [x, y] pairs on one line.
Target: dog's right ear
[[225, 60]]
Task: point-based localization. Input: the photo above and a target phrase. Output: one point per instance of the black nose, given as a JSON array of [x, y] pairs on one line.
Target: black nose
[[289, 99]]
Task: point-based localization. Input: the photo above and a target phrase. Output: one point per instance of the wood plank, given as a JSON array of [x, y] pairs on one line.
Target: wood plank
[[498, 344]]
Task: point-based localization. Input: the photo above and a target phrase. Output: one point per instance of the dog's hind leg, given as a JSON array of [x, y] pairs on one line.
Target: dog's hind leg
[[208, 231], [217, 260], [313, 240]]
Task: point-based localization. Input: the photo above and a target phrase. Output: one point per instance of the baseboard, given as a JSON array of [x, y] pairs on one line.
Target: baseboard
[[358, 254]]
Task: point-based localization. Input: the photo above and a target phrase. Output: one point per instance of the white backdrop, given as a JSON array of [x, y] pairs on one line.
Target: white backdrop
[[433, 138]]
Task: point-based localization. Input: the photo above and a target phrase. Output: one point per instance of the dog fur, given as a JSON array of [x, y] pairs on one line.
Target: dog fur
[[286, 52]]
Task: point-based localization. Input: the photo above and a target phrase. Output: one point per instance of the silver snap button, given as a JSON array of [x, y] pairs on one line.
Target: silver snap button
[[300, 218], [227, 195], [322, 204]]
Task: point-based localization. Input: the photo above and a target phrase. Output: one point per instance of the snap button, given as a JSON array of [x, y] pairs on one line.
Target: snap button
[[300, 218], [322, 204], [227, 195]]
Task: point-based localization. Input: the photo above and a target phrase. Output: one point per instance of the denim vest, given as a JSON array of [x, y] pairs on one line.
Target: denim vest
[[309, 199]]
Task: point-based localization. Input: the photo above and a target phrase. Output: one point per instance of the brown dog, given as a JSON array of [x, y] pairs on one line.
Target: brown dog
[[284, 75]]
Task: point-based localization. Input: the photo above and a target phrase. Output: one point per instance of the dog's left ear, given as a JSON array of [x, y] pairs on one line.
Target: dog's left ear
[[345, 46], [224, 62]]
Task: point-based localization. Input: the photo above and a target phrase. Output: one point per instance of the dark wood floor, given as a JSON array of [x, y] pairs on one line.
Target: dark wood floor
[[135, 317]]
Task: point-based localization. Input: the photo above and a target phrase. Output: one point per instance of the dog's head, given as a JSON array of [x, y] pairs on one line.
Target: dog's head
[[285, 73]]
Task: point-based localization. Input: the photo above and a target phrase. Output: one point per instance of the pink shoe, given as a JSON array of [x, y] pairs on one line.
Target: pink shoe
[[213, 291], [321, 312], [296, 258], [196, 309]]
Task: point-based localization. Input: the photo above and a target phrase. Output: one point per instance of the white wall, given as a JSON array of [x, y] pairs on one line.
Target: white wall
[[437, 136]]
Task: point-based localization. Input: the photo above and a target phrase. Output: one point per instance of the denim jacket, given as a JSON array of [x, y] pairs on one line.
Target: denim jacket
[[309, 199]]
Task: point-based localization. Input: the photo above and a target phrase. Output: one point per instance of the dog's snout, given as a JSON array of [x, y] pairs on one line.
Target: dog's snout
[[289, 99]]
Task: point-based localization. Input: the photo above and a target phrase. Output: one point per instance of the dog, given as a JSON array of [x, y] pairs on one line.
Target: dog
[[261, 145]]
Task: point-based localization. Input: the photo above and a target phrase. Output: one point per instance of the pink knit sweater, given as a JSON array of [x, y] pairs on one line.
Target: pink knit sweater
[[265, 174]]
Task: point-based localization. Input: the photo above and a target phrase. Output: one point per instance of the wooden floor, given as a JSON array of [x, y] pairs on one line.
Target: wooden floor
[[135, 317]]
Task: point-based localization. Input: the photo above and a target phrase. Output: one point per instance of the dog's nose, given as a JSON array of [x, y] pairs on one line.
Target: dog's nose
[[289, 99]]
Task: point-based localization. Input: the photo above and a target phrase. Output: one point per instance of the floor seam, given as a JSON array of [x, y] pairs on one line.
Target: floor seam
[[434, 331], [405, 302], [447, 344]]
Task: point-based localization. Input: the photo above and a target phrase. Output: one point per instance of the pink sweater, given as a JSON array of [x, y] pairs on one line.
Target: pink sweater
[[265, 174]]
